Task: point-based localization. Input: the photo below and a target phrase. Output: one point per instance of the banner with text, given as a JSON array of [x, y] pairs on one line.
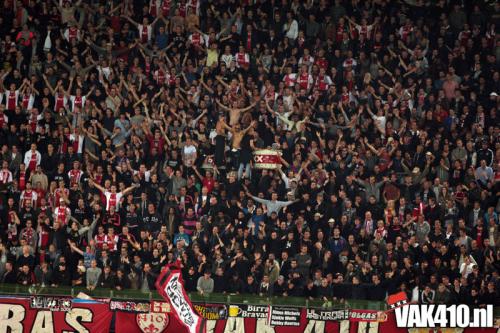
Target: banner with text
[[36, 315], [255, 319]]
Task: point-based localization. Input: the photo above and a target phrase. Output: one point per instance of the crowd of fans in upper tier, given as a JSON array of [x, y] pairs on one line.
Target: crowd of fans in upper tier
[[128, 128]]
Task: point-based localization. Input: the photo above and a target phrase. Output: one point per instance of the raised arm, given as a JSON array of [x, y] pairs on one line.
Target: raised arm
[[164, 133], [68, 91], [129, 189], [128, 18], [249, 126], [47, 83], [375, 151], [75, 248], [210, 90], [97, 186], [218, 78], [195, 169]]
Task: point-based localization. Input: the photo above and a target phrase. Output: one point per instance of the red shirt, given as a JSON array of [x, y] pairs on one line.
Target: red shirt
[[22, 180], [158, 144], [11, 100], [144, 34], [209, 183]]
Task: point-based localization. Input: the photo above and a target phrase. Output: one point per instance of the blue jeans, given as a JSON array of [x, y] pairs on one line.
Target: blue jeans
[[247, 168]]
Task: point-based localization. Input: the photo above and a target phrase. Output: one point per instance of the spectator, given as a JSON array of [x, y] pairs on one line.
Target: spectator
[[9, 275], [93, 275], [106, 279], [122, 282], [205, 284], [43, 274], [250, 287], [265, 287], [427, 296], [79, 278], [377, 136], [61, 275], [279, 287], [442, 295]]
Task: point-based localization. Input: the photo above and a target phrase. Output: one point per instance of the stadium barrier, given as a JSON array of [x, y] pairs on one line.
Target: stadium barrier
[[37, 309]]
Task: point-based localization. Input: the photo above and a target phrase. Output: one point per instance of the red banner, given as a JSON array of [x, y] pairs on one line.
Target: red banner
[[22, 315], [47, 315], [138, 323]]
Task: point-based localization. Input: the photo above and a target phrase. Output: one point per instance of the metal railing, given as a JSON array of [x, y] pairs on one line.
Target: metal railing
[[215, 298], [19, 290]]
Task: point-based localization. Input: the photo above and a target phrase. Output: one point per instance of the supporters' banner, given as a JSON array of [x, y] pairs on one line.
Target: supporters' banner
[[212, 311], [18, 315], [169, 285], [367, 315], [284, 316], [266, 159], [148, 323], [128, 322], [324, 315], [130, 306], [50, 303], [248, 311], [397, 300], [160, 307]]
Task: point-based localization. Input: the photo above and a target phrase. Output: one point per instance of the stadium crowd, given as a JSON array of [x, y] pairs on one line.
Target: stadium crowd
[[127, 130]]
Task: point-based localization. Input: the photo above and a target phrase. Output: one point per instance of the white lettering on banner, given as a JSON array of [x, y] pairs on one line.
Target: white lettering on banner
[[345, 326], [315, 326], [44, 323], [75, 316], [280, 316], [442, 316], [263, 327], [372, 327], [173, 289], [210, 326], [234, 325], [401, 314], [11, 316], [336, 315]]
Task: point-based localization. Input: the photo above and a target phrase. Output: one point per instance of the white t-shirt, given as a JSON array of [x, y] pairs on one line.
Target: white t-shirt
[[113, 199]]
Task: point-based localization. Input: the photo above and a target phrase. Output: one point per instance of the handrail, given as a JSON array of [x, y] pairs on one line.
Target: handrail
[[215, 298], [19, 290]]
